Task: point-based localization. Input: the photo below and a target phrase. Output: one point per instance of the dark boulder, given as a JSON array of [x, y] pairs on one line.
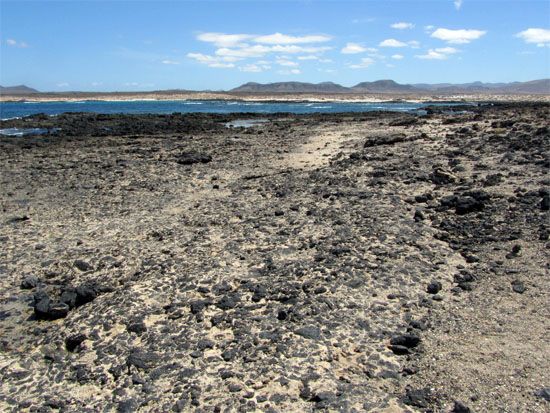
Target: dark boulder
[[467, 204], [47, 309]]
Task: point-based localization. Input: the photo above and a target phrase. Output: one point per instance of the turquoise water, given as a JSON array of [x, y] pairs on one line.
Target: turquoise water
[[19, 109]]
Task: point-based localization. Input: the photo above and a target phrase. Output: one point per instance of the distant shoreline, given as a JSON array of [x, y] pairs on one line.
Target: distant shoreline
[[272, 97]]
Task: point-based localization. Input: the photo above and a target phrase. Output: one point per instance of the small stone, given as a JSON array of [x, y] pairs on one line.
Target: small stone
[[460, 407], [518, 287], [137, 327], [82, 265], [29, 282], [235, 388], [419, 215], [407, 340], [543, 393], [434, 287], [72, 342], [312, 333]]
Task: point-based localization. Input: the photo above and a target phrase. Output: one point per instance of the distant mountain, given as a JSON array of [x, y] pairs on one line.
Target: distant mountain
[[391, 87], [382, 86], [534, 86], [291, 87], [17, 90]]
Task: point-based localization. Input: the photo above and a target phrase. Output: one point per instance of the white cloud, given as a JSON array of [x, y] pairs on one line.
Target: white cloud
[[392, 43], [458, 4], [460, 36], [15, 43], [170, 62], [402, 26], [62, 84], [414, 44], [97, 84], [251, 68], [244, 52], [327, 70], [214, 61], [279, 38], [308, 57], [221, 65], [441, 53], [224, 40], [353, 48], [365, 62], [233, 40], [284, 62], [397, 56], [540, 37], [290, 72], [299, 49]]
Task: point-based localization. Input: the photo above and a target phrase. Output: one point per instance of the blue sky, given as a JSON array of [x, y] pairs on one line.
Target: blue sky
[[152, 45]]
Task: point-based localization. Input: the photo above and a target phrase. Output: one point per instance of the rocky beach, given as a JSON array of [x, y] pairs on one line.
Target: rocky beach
[[351, 262]]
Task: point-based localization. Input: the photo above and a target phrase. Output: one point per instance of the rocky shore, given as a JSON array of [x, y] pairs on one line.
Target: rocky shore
[[377, 262]]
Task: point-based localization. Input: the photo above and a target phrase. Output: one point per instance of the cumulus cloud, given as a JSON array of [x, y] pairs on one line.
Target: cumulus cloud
[[232, 40], [170, 62], [414, 44], [459, 36], [540, 37], [441, 53], [224, 40], [397, 56], [15, 43], [251, 68], [363, 64], [214, 61], [353, 48], [290, 72], [402, 26], [458, 4], [279, 38], [392, 43], [231, 48], [285, 62]]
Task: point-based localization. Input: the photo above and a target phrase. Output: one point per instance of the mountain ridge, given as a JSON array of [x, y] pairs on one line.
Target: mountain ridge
[[539, 86]]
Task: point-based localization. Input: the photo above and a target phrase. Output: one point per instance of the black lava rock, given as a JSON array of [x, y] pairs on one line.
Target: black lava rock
[[518, 287], [418, 397], [29, 282], [82, 265], [406, 340], [543, 393], [137, 327], [47, 309], [468, 204], [434, 287], [190, 158], [311, 332], [72, 342], [460, 407]]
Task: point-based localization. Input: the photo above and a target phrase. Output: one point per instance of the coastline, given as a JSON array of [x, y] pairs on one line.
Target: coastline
[[274, 97]]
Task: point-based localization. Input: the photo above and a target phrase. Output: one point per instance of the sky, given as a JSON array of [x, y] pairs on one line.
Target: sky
[[214, 45]]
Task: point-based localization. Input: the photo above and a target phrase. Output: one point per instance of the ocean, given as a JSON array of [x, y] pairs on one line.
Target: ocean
[[10, 110]]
